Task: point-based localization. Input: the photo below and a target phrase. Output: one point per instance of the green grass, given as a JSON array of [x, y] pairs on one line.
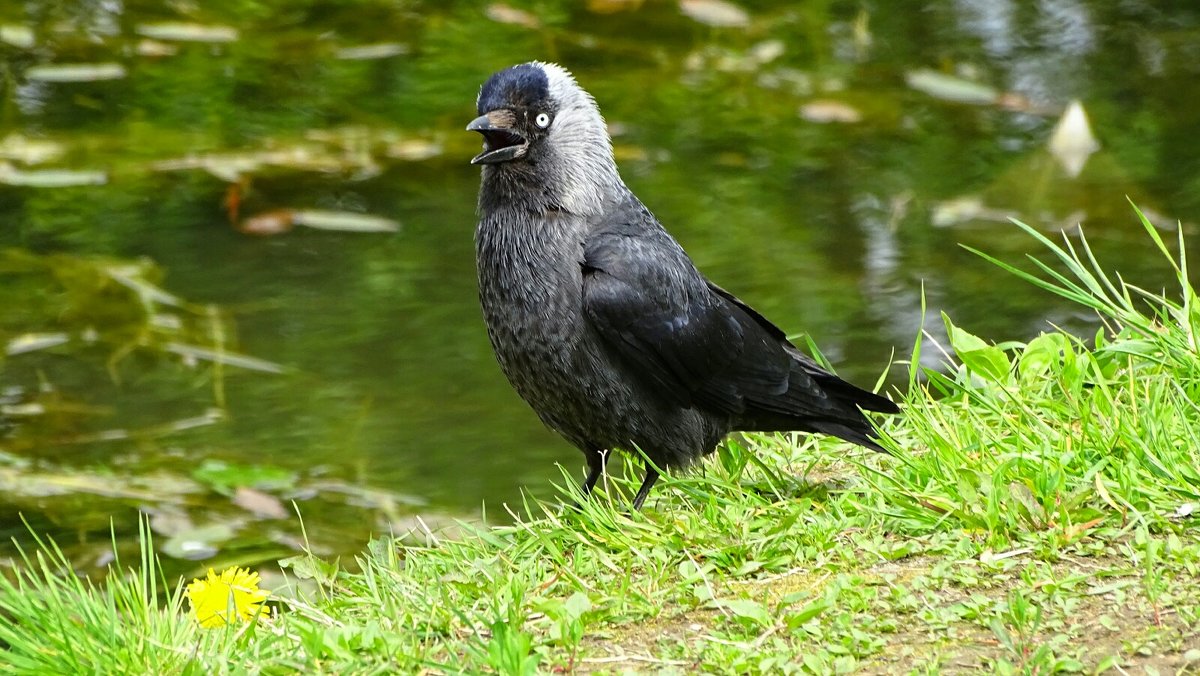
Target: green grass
[[1036, 517]]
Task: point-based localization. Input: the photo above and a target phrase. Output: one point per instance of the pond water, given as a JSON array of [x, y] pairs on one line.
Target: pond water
[[824, 162]]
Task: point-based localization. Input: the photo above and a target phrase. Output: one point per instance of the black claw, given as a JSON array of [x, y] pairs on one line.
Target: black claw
[[647, 484]]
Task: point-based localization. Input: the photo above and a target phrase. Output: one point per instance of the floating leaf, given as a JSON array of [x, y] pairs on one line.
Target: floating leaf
[[30, 410], [269, 223], [168, 520], [232, 168], [1072, 141], [715, 13], [502, 13], [767, 51], [228, 168], [188, 32], [281, 220], [364, 496], [966, 208], [17, 36], [950, 87], [75, 72], [154, 48], [29, 151], [32, 342], [345, 221], [1020, 103], [209, 417], [258, 503], [825, 111], [198, 543], [414, 149], [382, 50], [50, 178]]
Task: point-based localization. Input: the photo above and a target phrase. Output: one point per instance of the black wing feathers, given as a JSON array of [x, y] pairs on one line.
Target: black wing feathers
[[863, 398], [677, 345], [701, 346]]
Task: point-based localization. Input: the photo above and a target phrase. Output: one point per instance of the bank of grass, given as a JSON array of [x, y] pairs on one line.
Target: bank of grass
[[1036, 517]]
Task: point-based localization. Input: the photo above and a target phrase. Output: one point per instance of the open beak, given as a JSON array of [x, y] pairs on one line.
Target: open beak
[[501, 142]]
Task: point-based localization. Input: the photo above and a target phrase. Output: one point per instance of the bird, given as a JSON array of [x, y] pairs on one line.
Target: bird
[[598, 317]]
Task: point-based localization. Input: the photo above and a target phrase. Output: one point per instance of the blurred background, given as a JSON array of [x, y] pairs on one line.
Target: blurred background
[[236, 259]]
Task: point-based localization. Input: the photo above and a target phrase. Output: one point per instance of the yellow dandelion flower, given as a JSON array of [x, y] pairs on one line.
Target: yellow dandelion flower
[[232, 596]]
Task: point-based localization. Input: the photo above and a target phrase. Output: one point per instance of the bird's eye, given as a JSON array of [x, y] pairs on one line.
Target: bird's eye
[[542, 120]]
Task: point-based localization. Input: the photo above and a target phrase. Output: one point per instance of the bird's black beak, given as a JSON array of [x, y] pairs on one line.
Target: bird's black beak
[[502, 142]]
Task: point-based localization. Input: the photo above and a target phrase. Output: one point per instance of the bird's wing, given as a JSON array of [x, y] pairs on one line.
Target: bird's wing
[[825, 380], [697, 345]]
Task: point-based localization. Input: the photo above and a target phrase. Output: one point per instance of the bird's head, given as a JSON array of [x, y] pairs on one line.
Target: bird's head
[[539, 127]]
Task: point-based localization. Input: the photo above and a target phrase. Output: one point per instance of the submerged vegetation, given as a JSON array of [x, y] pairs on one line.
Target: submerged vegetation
[[1038, 516], [87, 315]]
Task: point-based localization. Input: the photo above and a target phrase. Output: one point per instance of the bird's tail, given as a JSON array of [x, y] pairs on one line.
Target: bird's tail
[[856, 435], [858, 428], [842, 417], [845, 392]]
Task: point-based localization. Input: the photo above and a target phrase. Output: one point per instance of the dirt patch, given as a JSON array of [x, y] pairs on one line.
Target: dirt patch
[[1089, 610], [641, 646]]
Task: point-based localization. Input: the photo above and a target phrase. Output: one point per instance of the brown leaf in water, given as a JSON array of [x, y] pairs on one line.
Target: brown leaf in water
[[232, 201], [414, 149], [717, 13], [269, 223], [502, 13], [343, 221], [379, 50], [824, 111], [187, 32], [155, 48], [258, 503]]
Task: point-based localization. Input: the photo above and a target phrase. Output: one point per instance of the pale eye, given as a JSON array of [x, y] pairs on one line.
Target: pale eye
[[542, 120]]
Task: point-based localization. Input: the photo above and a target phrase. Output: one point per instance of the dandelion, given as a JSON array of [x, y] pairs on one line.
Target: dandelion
[[232, 596]]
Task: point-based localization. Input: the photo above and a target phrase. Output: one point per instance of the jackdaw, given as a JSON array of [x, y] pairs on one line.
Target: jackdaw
[[597, 316]]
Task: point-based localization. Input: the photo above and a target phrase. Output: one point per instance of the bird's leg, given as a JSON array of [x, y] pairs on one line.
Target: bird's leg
[[647, 484], [595, 461]]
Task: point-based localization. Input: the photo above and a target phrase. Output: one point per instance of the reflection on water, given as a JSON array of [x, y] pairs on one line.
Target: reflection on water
[[828, 227]]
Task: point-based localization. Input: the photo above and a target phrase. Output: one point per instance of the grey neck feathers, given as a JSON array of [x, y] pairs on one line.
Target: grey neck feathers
[[574, 170]]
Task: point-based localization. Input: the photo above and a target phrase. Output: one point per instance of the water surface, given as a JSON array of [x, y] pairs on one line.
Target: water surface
[[830, 228]]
